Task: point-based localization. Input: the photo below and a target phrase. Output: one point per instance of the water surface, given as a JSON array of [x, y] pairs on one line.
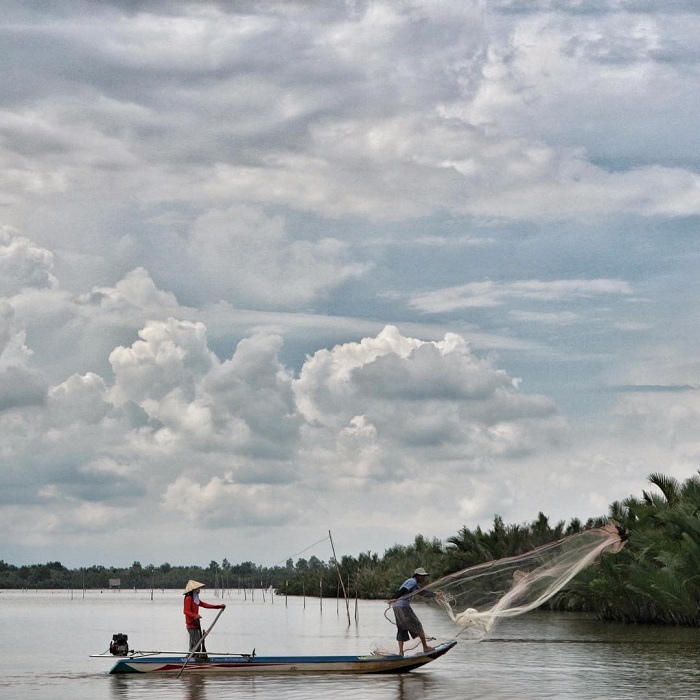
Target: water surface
[[50, 635]]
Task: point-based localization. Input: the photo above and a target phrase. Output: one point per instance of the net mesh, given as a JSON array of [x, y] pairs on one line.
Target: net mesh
[[475, 598]]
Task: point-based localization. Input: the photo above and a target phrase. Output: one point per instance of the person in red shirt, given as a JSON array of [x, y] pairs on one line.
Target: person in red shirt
[[193, 618]]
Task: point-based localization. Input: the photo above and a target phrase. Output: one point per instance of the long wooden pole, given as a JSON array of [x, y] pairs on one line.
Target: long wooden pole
[[199, 643], [340, 578]]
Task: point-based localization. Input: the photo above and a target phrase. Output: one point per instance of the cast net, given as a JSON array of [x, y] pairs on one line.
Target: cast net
[[475, 598]]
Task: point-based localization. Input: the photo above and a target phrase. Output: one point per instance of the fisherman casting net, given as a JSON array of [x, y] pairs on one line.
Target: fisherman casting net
[[475, 598]]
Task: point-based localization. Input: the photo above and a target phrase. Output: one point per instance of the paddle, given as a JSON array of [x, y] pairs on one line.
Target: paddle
[[199, 644]]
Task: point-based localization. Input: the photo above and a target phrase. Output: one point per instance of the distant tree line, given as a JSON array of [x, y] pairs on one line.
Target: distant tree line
[[654, 579], [56, 576]]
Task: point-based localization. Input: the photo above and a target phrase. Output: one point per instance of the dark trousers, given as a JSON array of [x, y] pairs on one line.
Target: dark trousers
[[195, 636]]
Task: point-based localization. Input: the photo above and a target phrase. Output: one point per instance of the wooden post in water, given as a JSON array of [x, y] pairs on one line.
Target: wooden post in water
[[340, 578], [357, 610]]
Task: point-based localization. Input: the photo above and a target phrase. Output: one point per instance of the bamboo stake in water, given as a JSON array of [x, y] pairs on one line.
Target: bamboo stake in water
[[340, 578]]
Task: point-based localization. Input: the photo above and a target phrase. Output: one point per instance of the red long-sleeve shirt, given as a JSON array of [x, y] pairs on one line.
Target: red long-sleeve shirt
[[191, 610]]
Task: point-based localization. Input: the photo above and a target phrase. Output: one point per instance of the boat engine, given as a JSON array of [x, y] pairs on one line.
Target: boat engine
[[119, 645]]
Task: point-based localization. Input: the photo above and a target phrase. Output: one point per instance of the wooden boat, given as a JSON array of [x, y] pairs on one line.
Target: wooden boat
[[173, 662]]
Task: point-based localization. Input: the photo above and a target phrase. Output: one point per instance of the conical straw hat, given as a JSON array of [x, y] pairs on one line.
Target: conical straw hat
[[191, 585]]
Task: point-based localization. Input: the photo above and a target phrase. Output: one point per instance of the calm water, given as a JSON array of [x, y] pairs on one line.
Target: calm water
[[48, 638]]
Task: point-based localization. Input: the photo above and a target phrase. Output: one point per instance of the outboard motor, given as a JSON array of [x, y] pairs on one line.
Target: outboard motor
[[119, 645]]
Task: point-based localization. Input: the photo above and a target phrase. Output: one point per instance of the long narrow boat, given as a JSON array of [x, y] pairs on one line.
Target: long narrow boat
[[172, 662]]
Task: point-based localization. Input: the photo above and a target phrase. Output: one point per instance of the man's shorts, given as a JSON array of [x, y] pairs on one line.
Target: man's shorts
[[407, 624]]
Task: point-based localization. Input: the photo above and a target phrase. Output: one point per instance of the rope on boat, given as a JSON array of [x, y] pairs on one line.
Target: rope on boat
[[393, 622]]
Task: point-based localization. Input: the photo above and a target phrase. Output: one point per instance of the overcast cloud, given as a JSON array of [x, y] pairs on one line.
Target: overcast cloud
[[269, 269]]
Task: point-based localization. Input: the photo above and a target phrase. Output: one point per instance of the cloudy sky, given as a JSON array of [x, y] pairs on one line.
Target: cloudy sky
[[270, 269]]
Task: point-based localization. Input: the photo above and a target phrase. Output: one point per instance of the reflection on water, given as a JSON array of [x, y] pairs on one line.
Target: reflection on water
[[540, 656], [412, 686]]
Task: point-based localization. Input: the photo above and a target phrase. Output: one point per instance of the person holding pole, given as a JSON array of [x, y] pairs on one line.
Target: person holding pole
[[193, 618]]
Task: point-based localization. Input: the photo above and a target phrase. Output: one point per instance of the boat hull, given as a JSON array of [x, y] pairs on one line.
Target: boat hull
[[242, 664]]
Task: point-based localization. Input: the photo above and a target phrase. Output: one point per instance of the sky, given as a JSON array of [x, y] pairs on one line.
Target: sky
[[270, 270]]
